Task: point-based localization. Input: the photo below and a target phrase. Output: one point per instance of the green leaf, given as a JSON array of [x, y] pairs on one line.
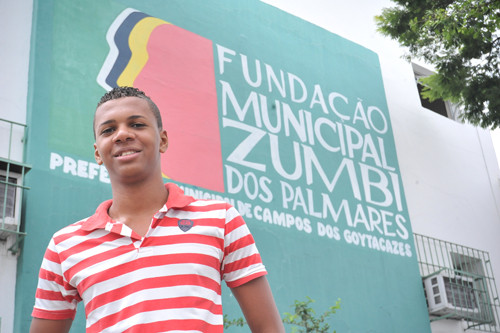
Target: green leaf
[[461, 40]]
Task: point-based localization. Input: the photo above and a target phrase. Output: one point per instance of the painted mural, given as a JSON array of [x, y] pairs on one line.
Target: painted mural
[[284, 120]]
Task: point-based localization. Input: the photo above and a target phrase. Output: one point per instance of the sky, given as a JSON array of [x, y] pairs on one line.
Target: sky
[[345, 18]]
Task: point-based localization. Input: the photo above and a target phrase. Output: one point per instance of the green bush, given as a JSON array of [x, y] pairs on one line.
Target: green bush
[[303, 320]]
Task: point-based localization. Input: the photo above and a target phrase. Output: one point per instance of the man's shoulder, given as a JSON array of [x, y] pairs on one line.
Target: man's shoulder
[[179, 200], [75, 225], [210, 204], [70, 229], [94, 221], [207, 202]]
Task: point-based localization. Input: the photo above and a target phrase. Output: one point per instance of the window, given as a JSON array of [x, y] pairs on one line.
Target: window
[[444, 108], [12, 172], [7, 196], [438, 106], [10, 205], [472, 267], [458, 283]]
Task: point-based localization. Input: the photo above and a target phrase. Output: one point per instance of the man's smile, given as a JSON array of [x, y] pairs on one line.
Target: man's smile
[[126, 152]]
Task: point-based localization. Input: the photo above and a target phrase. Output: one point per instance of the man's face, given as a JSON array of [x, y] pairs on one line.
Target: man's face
[[128, 140]]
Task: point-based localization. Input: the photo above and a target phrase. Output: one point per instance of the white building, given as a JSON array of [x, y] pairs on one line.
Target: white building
[[449, 169], [15, 23], [450, 173]]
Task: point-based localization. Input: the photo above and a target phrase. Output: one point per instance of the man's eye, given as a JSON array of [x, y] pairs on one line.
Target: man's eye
[[138, 125], [108, 130]]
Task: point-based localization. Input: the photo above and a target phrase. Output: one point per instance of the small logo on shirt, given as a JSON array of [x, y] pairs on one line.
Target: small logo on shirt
[[185, 225]]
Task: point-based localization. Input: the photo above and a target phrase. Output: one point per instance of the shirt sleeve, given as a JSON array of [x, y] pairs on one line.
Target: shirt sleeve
[[242, 262], [55, 298]]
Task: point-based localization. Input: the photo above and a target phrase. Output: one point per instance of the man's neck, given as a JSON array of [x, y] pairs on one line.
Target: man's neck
[[137, 200]]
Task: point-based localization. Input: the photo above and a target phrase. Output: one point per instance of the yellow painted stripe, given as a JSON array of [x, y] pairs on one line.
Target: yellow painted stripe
[[138, 41]]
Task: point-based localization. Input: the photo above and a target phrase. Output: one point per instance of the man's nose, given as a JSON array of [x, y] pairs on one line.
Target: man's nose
[[123, 133]]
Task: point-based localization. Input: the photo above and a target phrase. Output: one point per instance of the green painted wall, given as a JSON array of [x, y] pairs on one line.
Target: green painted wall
[[310, 162]]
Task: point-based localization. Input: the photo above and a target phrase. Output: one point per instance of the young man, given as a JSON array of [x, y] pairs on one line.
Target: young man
[[151, 259]]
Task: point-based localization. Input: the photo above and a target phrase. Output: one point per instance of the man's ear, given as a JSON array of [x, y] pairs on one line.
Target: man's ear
[[163, 141], [97, 156]]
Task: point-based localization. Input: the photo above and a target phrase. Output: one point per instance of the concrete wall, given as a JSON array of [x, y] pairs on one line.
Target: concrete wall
[[8, 263], [15, 24], [450, 171]]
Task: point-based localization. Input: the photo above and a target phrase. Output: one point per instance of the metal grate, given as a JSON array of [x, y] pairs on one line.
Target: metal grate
[[458, 283], [12, 172]]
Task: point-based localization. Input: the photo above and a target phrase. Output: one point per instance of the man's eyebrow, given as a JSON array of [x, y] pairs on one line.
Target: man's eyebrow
[[110, 121], [106, 123], [135, 117]]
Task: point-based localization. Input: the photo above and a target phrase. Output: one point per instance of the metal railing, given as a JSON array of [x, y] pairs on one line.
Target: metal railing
[[12, 174], [459, 283]]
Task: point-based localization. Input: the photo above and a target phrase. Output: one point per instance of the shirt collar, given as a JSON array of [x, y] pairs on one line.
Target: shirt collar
[[176, 199], [100, 218]]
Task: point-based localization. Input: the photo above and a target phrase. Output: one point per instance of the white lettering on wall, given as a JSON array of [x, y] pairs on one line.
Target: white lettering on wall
[[78, 168]]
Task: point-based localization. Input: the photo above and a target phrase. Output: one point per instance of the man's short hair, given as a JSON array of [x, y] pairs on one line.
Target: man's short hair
[[120, 92]]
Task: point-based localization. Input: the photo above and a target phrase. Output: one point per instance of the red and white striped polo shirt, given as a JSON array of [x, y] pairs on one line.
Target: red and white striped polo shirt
[[166, 281]]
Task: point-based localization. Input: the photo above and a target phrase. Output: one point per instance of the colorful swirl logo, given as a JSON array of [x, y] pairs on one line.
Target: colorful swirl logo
[[175, 67]]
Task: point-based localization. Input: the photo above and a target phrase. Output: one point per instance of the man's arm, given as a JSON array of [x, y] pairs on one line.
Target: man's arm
[[50, 326], [257, 303]]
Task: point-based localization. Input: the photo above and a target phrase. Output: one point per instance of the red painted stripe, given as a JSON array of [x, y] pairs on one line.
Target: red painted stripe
[[179, 76]]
